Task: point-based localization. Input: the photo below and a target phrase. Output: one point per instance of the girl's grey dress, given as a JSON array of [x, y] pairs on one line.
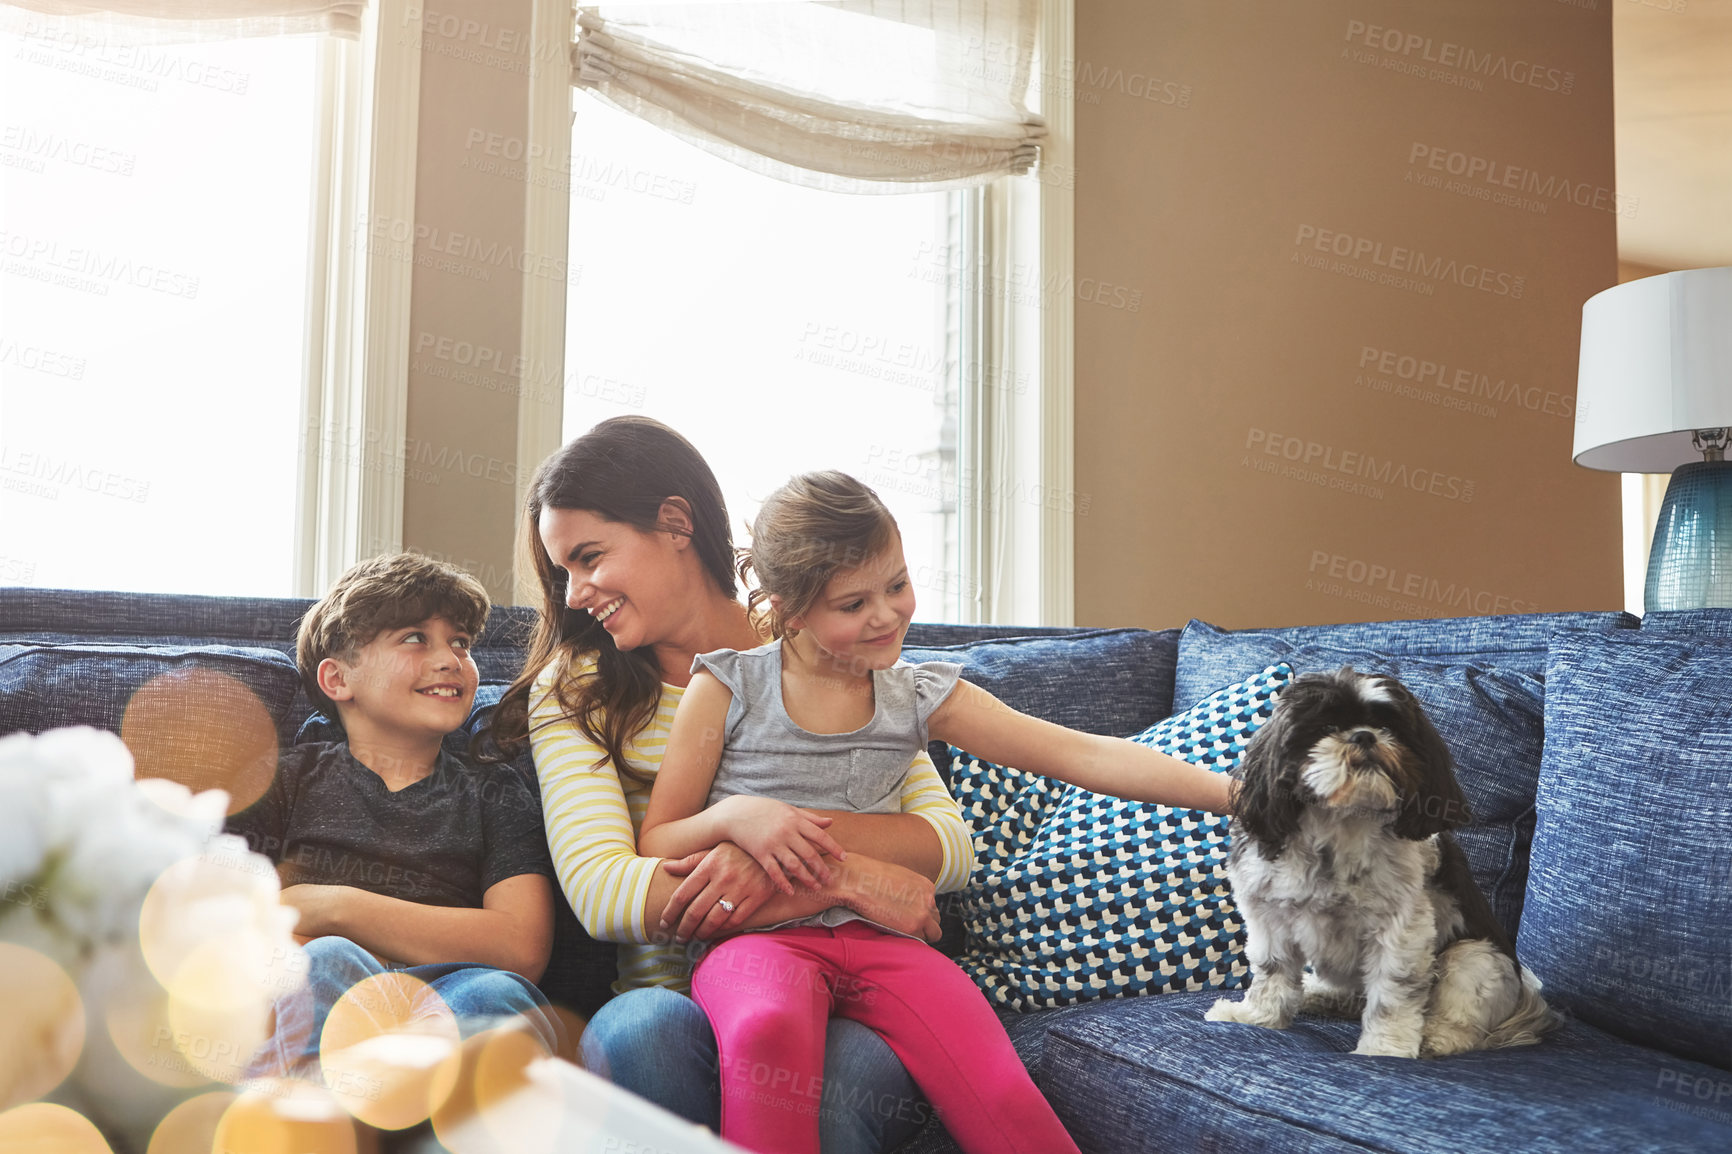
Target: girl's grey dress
[[766, 755]]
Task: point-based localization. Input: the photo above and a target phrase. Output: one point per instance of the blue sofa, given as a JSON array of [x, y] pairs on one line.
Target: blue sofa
[[1596, 751]]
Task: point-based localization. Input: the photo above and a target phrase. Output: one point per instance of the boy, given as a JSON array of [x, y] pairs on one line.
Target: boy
[[396, 852]]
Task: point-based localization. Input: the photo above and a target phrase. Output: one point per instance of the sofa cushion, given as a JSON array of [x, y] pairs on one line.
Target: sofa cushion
[[210, 717], [1691, 622], [1492, 719], [1514, 642], [1629, 908], [1150, 1073], [1061, 677], [1078, 896]]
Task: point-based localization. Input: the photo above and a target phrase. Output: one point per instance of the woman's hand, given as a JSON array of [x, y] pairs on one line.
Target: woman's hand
[[694, 909], [891, 895], [788, 842]]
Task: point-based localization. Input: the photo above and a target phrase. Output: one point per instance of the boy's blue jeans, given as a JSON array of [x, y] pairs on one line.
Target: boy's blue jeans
[[479, 996], [658, 1044]]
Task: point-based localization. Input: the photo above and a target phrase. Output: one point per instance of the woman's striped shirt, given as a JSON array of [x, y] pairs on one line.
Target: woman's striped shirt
[[593, 815]]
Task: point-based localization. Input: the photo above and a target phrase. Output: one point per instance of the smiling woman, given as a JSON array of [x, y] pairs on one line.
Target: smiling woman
[[629, 537], [613, 569]]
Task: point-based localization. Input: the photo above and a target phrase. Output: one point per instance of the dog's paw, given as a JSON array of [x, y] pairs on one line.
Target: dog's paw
[[1245, 1013], [1224, 1010], [1445, 1038], [1373, 1046]]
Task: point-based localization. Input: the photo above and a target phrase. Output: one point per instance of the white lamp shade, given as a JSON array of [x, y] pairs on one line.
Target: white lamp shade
[[1656, 365]]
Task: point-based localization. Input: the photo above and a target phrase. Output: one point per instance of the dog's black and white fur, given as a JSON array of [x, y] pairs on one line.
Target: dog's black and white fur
[[1342, 861]]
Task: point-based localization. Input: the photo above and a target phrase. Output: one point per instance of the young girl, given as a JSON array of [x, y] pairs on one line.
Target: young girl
[[826, 717]]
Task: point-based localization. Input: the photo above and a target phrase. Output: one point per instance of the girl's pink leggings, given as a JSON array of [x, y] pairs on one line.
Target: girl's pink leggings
[[769, 995]]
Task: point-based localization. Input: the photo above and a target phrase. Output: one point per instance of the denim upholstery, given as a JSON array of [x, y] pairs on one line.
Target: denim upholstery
[[183, 619], [1492, 719], [1153, 1075], [1515, 642], [54, 684], [1112, 681], [1692, 622], [1629, 918], [1147, 1073]]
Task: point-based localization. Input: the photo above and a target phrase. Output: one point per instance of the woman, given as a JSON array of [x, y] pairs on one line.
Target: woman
[[633, 554]]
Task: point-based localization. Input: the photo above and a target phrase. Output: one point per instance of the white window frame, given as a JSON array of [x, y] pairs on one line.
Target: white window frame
[[361, 268], [1015, 450]]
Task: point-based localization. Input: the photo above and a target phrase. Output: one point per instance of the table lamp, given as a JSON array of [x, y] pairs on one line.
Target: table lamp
[[1654, 395]]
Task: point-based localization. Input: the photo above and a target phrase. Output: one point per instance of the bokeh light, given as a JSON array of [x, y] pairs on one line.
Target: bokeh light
[[202, 900], [284, 1116], [191, 1127], [43, 1128], [494, 1107], [205, 730], [138, 1023], [571, 1026], [41, 1025], [384, 1050], [214, 1008]]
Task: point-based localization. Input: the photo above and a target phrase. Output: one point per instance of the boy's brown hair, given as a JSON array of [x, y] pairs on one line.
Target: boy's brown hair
[[385, 592]]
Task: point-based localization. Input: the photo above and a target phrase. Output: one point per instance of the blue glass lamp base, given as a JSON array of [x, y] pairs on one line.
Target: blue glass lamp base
[[1690, 566]]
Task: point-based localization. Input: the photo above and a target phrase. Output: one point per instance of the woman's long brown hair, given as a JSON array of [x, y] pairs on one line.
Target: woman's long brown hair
[[621, 470]]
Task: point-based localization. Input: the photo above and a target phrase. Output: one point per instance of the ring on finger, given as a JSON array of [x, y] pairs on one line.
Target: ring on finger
[[726, 905]]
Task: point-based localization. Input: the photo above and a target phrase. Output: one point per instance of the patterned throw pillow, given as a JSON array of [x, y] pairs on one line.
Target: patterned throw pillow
[[1077, 896]]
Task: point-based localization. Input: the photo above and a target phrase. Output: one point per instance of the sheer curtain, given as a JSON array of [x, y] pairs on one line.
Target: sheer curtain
[[853, 96], [122, 22]]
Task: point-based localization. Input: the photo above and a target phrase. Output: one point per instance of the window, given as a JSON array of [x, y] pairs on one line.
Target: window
[[153, 307], [720, 301], [187, 360], [781, 329]]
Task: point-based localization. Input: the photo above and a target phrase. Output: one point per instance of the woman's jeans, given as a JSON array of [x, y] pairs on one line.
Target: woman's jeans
[[658, 1044]]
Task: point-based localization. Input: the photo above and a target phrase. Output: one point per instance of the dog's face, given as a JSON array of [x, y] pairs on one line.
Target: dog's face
[[1350, 744]]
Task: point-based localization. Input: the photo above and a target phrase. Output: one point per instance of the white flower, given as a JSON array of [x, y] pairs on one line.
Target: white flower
[[132, 889], [86, 772], [23, 812]]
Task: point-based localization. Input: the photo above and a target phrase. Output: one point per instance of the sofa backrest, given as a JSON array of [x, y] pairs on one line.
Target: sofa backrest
[[143, 631], [71, 657]]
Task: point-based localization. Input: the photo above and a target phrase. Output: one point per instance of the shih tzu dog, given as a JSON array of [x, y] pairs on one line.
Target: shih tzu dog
[[1342, 861]]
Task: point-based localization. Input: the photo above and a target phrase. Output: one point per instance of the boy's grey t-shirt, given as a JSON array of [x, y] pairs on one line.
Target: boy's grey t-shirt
[[765, 754], [442, 841]]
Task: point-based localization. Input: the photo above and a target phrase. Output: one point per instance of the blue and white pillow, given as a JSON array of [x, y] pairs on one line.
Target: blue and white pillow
[[1078, 896]]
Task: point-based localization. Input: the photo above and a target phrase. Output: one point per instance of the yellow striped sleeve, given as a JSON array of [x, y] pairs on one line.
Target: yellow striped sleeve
[[592, 815], [923, 793]]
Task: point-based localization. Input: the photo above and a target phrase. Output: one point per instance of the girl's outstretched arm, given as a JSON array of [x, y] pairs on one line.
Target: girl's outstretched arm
[[975, 720], [787, 841]]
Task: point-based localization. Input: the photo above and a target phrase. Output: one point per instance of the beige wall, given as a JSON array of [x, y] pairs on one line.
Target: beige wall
[[1218, 141], [1270, 129], [466, 307]]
